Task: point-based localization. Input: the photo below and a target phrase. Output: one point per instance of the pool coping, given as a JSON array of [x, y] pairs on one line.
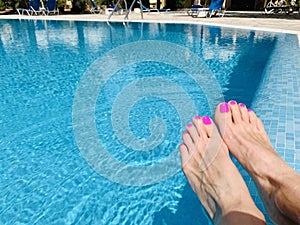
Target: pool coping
[[279, 25]]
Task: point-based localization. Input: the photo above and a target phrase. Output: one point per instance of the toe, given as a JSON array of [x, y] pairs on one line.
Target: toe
[[184, 153], [253, 118], [244, 112], [223, 117], [260, 125], [191, 129], [199, 126], [187, 140], [235, 111], [255, 121], [207, 125], [214, 141]]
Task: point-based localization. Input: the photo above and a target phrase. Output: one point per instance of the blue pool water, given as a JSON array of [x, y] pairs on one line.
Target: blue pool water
[[92, 114]]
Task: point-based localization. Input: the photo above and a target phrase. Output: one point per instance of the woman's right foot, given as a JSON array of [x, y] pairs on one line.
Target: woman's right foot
[[279, 185]]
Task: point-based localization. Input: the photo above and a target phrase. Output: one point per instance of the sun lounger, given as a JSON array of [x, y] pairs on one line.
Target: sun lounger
[[194, 10], [146, 9], [36, 7], [279, 6], [215, 8], [51, 7], [113, 8], [277, 9], [22, 10], [95, 9]]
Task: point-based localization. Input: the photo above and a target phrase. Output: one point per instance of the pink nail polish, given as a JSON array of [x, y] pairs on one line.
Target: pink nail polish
[[185, 132], [249, 110], [242, 104], [224, 107], [206, 120], [197, 117], [232, 102], [189, 125]]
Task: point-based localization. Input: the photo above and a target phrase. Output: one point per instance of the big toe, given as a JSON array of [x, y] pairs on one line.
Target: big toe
[[223, 117], [185, 155]]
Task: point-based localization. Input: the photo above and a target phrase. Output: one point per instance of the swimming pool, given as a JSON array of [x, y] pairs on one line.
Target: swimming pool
[[92, 114]]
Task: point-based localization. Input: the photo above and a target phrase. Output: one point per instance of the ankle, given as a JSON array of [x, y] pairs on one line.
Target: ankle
[[237, 218], [281, 173], [268, 161], [243, 206]]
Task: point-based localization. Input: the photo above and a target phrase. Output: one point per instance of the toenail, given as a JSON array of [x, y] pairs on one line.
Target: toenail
[[232, 102], [224, 107], [206, 120], [197, 117], [249, 110], [242, 104], [189, 125], [185, 132]]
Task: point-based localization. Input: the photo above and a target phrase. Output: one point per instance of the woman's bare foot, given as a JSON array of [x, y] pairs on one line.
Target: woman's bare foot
[[213, 176], [279, 185]]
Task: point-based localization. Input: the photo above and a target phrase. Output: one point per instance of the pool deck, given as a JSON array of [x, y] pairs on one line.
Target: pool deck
[[248, 20]]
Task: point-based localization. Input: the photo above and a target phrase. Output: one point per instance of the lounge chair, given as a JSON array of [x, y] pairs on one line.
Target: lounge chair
[[34, 8], [215, 8], [146, 9], [51, 7], [113, 8], [37, 8], [22, 10], [95, 9], [279, 6], [194, 10]]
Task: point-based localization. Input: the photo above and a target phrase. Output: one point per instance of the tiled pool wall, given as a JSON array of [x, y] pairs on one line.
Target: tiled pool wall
[[277, 102]]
